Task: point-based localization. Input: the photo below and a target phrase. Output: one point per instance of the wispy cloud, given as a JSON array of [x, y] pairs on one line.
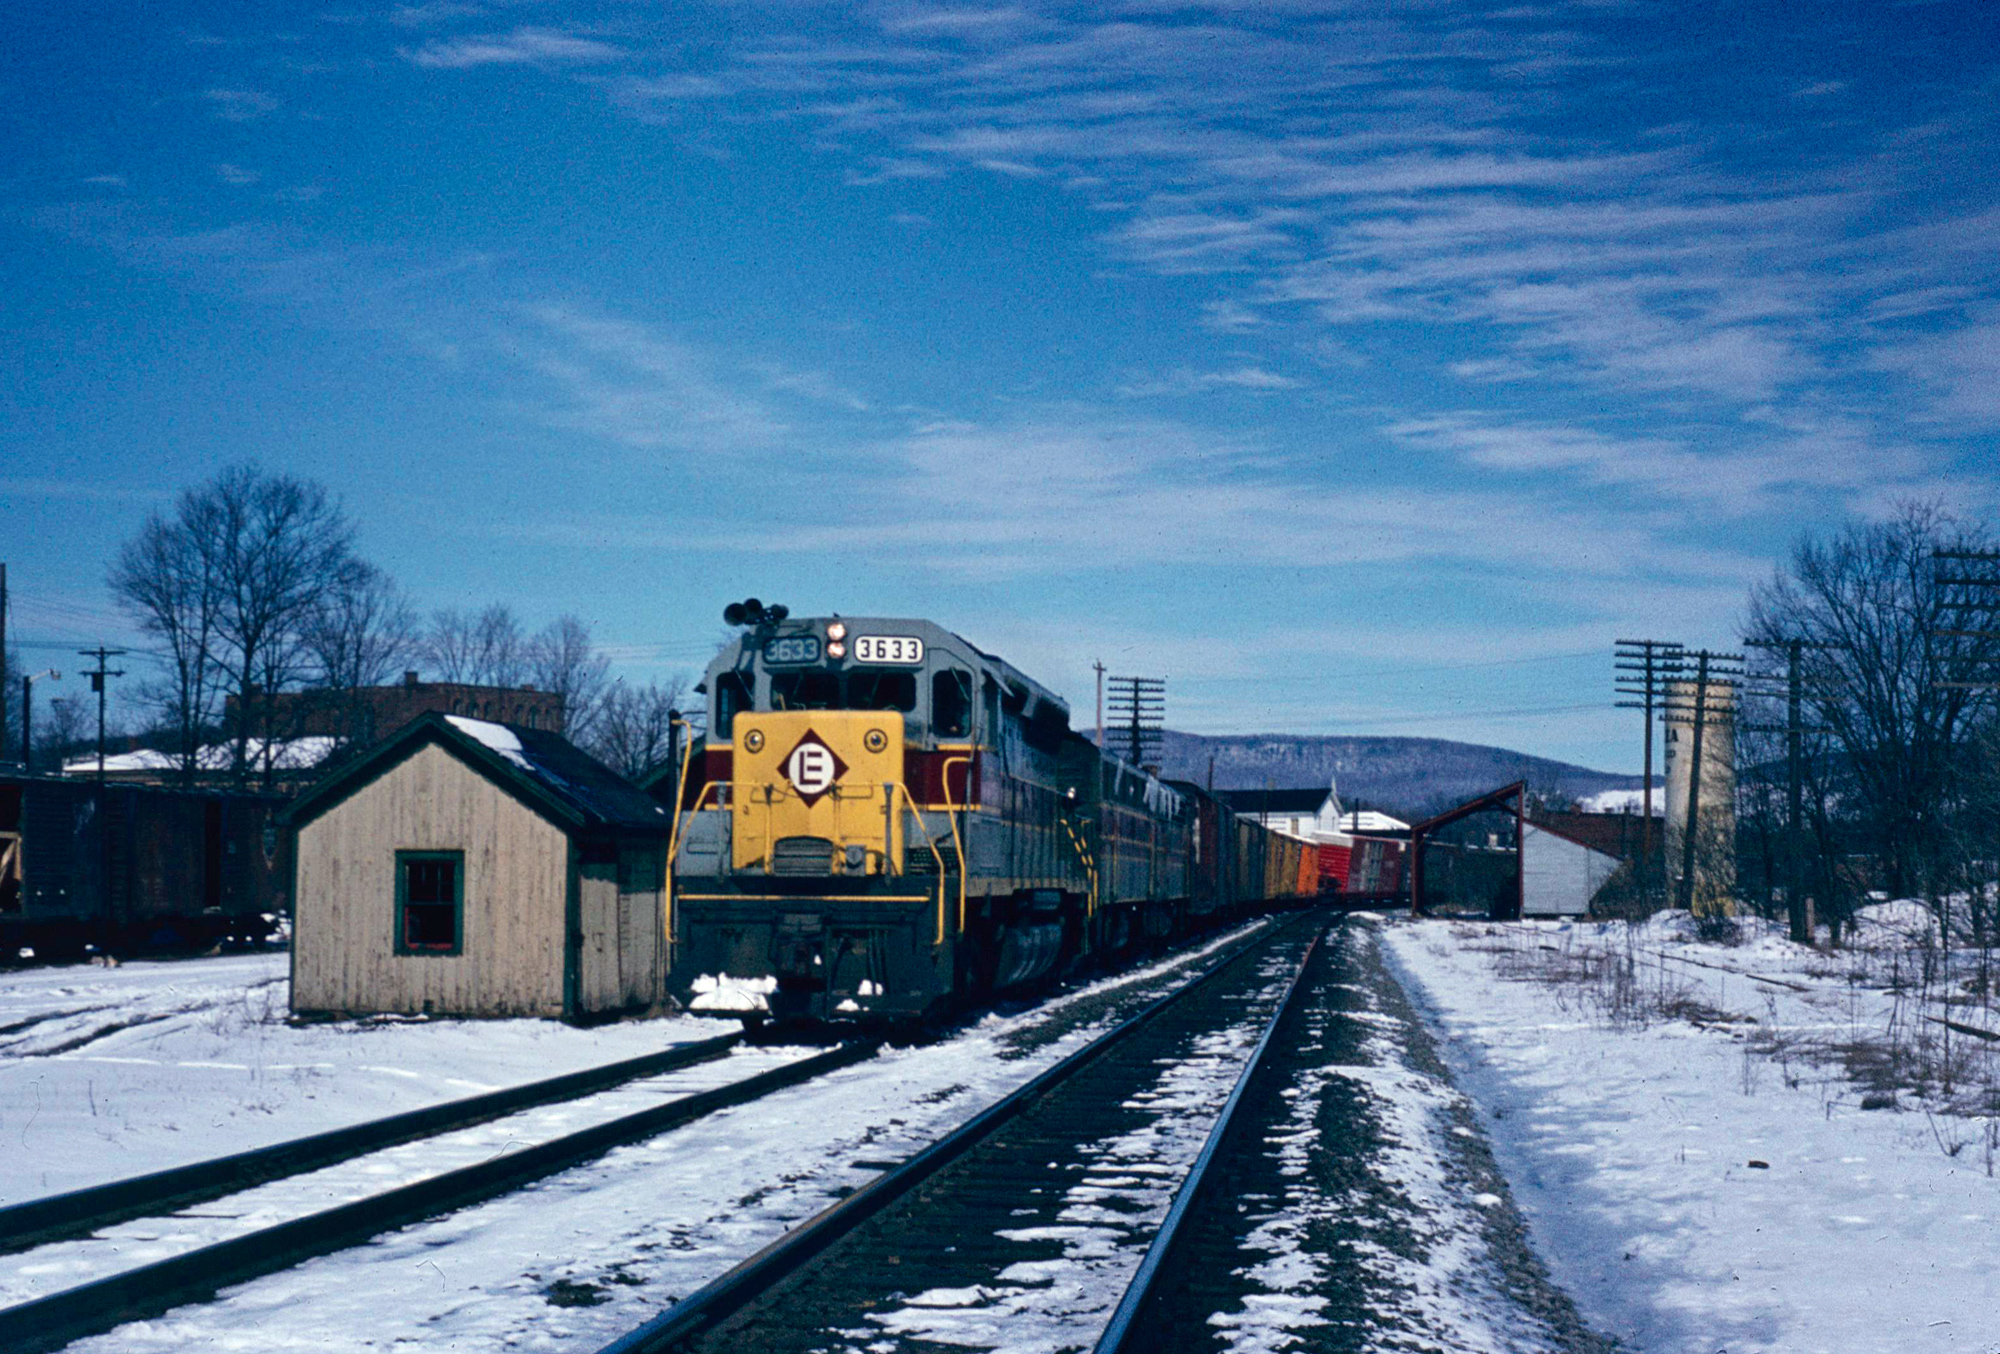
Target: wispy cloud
[[237, 175], [632, 383], [1185, 381], [523, 46], [239, 105], [813, 385]]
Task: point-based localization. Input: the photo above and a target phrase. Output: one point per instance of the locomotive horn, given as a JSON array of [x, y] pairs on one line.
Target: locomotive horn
[[733, 614]]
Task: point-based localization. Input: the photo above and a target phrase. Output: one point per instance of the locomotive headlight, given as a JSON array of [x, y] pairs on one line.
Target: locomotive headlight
[[836, 650], [837, 631], [753, 741], [875, 740]]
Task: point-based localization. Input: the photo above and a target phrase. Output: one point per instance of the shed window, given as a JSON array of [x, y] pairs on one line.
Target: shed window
[[951, 703], [430, 902]]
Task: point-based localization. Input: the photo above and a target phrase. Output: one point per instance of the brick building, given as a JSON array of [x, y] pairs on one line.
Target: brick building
[[367, 713]]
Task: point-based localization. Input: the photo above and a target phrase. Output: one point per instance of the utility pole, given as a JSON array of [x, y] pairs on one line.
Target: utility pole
[[1794, 730], [1142, 704], [4, 672], [1710, 669], [1098, 665], [1984, 610], [1652, 662], [97, 684], [1692, 829], [28, 681]]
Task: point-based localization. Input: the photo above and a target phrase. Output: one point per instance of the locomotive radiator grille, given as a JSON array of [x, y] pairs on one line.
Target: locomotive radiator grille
[[802, 857]]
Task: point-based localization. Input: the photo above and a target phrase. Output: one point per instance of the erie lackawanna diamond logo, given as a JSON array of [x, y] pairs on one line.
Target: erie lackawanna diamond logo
[[812, 767]]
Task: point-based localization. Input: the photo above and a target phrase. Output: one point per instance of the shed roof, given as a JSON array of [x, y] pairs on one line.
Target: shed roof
[[1274, 801], [541, 767]]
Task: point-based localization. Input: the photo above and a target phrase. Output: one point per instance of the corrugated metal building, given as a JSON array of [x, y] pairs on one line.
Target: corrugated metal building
[[463, 867]]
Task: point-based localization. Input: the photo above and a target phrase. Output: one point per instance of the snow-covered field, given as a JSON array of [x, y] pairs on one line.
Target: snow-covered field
[[1689, 1143], [107, 1073]]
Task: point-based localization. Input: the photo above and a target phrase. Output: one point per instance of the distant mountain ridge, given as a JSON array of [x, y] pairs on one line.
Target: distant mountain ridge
[[1409, 777]]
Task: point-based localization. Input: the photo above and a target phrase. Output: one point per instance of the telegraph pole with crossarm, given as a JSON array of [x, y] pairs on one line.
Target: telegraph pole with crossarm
[[1651, 663], [98, 682]]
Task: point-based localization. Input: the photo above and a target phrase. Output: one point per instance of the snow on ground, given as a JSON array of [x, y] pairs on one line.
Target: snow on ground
[[66, 1264], [1707, 1180], [1386, 1221], [642, 1226], [112, 1072]]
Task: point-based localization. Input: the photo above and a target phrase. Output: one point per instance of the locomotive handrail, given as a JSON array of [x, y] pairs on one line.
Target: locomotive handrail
[[951, 817], [904, 790], [1089, 864]]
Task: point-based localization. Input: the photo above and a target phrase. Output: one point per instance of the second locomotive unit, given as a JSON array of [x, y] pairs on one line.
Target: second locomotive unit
[[884, 817]]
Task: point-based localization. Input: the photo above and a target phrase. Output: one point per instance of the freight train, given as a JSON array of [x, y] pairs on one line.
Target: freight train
[[884, 819], [127, 868]]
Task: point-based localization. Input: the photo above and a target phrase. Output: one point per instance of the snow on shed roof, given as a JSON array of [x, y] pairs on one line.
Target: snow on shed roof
[[566, 771], [541, 766]]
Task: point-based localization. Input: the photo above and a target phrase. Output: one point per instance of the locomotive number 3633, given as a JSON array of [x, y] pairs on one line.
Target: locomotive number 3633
[[888, 649]]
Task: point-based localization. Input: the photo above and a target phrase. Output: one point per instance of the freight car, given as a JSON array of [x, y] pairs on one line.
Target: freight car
[[885, 818], [128, 868]]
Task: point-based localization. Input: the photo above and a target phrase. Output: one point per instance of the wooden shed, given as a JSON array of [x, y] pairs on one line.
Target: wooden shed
[[470, 868]]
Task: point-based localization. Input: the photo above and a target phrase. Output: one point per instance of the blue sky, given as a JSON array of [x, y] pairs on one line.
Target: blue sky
[[1357, 367]]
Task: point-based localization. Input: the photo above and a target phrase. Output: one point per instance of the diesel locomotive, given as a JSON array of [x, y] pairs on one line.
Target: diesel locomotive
[[884, 818]]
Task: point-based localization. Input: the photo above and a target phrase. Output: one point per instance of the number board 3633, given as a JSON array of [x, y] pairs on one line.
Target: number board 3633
[[888, 649]]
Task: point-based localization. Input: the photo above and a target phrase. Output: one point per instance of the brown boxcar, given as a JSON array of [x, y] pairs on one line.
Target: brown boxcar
[[131, 868]]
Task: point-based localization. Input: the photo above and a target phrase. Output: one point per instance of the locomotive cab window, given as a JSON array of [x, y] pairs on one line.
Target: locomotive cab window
[[732, 693], [430, 902], [805, 691], [951, 703], [882, 690]]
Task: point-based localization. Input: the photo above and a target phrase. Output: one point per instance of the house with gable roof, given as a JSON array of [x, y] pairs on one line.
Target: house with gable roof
[[472, 868]]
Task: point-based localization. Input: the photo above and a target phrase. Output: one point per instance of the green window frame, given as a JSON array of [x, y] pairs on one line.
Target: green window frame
[[423, 893]]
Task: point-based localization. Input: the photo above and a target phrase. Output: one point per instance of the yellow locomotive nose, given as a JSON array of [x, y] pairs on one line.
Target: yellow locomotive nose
[[817, 793]]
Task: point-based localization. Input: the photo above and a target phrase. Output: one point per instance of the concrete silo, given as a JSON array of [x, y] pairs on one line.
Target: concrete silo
[[1714, 891]]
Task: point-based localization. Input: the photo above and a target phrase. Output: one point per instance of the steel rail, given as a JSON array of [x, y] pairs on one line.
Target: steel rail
[[48, 1323], [80, 1212], [741, 1285], [1122, 1334]]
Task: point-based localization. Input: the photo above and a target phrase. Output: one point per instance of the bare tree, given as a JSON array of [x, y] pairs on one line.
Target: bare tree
[[632, 732], [446, 645], [359, 634], [562, 660], [169, 580], [66, 730], [486, 649], [1886, 672], [10, 676], [282, 542]]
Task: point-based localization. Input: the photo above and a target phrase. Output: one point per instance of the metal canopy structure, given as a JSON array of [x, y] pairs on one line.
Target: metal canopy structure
[[1491, 800]]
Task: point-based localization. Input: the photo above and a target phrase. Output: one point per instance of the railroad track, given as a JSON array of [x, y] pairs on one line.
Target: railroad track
[[78, 1213], [1061, 1178], [127, 1255], [112, 1290]]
